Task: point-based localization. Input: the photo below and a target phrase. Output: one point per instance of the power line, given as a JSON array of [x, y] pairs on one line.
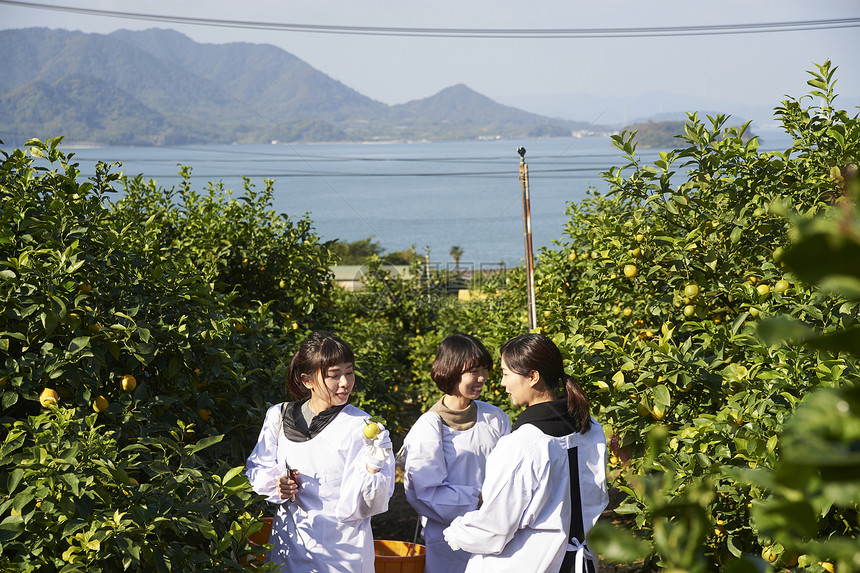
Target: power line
[[508, 33]]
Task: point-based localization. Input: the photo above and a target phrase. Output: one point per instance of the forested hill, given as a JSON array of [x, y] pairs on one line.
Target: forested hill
[[158, 87]]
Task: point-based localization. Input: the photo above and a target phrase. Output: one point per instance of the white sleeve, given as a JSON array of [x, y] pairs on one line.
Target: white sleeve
[[506, 423], [592, 476], [262, 466], [497, 417], [426, 475], [508, 492], [364, 494]]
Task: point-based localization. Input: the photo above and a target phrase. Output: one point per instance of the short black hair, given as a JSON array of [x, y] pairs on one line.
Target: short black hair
[[458, 353], [317, 353]]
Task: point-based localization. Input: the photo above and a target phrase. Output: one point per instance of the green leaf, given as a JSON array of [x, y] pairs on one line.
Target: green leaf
[[14, 479], [617, 544], [11, 527], [849, 287], [73, 482], [823, 255], [781, 329], [837, 134], [785, 518], [205, 443], [9, 399], [231, 473], [113, 348], [736, 234], [78, 344], [662, 396], [735, 550], [842, 341], [85, 505], [49, 322]]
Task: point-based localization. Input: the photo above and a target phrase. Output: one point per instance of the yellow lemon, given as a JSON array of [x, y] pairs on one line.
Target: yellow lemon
[[371, 430], [691, 290], [100, 404], [128, 383], [769, 554], [48, 397]]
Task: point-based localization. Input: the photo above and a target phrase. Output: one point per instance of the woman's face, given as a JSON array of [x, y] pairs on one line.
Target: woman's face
[[518, 386], [471, 383], [331, 387]]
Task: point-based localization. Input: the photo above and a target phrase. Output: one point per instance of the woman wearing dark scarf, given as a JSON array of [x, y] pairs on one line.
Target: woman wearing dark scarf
[[545, 483], [313, 461]]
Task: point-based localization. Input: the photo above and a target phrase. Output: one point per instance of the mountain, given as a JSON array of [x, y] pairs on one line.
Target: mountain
[[459, 107], [260, 77], [622, 110], [159, 87]]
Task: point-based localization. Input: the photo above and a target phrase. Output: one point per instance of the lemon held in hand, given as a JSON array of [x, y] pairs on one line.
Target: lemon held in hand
[[371, 430]]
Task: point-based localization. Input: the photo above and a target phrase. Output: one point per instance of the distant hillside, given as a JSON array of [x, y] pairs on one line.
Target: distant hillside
[[158, 87], [462, 109], [664, 134], [657, 133]]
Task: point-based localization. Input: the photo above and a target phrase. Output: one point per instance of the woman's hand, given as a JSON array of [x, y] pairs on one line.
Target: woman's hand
[[377, 449], [288, 485]]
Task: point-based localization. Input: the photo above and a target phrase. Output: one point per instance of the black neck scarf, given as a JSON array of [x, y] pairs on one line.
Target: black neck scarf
[[551, 418], [294, 430]]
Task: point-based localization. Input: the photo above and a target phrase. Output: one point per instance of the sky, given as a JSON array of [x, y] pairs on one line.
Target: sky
[[584, 78]]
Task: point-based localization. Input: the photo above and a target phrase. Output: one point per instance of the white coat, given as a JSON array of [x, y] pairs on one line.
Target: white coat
[[443, 475], [327, 528], [524, 521]]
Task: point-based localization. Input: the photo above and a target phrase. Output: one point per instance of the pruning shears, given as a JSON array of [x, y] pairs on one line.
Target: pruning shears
[[290, 474]]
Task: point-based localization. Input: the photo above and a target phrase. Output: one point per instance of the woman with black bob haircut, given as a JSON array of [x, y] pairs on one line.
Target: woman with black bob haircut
[[447, 447], [545, 483], [314, 463]]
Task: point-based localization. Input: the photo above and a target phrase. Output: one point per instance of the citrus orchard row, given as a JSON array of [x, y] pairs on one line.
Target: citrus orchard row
[[681, 299], [139, 340], [662, 295]]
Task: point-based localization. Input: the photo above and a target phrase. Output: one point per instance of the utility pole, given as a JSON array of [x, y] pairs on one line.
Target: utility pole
[[527, 230], [427, 270]]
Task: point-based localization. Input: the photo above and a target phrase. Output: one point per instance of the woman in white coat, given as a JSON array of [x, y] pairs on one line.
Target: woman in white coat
[[447, 448], [313, 461], [545, 485]]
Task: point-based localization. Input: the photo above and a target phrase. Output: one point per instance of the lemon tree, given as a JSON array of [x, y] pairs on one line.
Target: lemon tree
[[656, 296], [811, 512], [89, 503], [691, 363], [114, 307]]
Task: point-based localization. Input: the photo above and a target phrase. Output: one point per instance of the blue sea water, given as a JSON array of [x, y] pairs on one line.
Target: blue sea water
[[430, 195]]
